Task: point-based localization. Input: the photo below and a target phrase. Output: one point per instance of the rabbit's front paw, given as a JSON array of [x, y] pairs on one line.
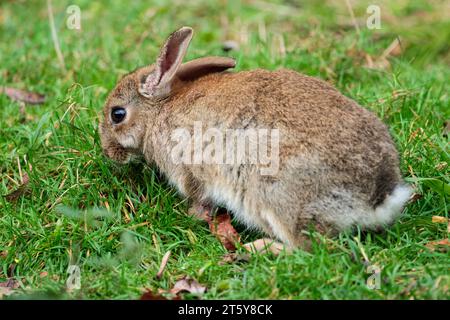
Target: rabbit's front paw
[[201, 211], [266, 245]]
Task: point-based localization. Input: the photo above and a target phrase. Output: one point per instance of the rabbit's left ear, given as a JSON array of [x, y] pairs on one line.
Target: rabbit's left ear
[[199, 67], [157, 83]]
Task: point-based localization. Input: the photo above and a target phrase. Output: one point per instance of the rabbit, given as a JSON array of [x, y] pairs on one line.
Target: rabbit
[[337, 167]]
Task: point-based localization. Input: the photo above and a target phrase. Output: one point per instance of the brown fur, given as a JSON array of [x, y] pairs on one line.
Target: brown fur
[[336, 157]]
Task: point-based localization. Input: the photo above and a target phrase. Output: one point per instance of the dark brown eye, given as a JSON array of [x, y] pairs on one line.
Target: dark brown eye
[[118, 114]]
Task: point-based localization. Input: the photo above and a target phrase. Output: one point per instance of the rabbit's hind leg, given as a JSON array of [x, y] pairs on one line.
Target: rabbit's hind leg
[[285, 230]]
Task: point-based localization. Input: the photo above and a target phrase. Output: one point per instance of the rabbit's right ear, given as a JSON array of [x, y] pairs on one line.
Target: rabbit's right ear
[[157, 83]]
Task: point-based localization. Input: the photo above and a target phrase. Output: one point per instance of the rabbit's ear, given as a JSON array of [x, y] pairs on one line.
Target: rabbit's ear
[[199, 67], [172, 53]]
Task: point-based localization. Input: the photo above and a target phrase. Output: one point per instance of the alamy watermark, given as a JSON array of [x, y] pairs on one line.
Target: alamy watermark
[[73, 21], [74, 280], [374, 280], [374, 20], [255, 146]]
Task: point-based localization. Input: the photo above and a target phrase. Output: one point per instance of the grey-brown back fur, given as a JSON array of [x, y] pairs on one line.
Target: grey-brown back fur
[[338, 162]]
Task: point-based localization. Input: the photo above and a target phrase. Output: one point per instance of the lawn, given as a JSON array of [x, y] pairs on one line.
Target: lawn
[[116, 222]]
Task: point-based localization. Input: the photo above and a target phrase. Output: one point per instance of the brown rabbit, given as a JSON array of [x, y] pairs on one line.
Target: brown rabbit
[[336, 166]]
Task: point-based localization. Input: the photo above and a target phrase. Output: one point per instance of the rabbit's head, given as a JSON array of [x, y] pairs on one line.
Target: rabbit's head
[[140, 95]]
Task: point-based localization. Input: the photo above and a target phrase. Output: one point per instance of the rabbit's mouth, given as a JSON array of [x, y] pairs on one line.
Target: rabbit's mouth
[[122, 155], [118, 154]]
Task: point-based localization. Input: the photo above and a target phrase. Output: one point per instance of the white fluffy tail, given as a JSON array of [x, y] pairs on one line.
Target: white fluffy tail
[[389, 209], [345, 211]]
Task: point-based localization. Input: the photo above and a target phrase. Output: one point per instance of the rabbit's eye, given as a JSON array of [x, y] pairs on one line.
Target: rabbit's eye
[[118, 114]]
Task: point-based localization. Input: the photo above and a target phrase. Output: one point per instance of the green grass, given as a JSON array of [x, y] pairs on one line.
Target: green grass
[[120, 254]]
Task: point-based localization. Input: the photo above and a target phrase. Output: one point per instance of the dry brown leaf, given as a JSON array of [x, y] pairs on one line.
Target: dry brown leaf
[[163, 264], [20, 191], [439, 219], [438, 245], [220, 225], [149, 295], [187, 284], [8, 287], [22, 95]]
